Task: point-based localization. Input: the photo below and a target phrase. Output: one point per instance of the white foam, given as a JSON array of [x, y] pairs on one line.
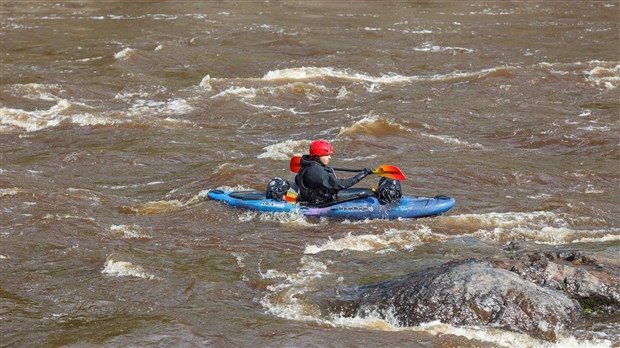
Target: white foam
[[206, 83], [392, 239], [145, 107], [430, 47], [242, 92], [59, 217], [290, 219], [285, 218], [452, 141], [585, 113], [124, 54], [540, 226], [125, 269], [177, 106], [604, 75], [310, 91], [604, 238], [10, 191], [227, 188], [595, 128], [129, 231], [32, 121], [92, 120], [285, 300], [343, 93]]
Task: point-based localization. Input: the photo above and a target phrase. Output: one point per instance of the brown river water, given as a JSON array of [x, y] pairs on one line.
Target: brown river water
[[117, 118]]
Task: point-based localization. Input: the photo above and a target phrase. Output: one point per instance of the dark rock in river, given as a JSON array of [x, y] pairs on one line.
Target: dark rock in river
[[596, 285], [469, 292]]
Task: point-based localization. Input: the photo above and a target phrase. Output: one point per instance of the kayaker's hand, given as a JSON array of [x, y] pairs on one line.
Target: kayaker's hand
[[366, 171], [361, 175]]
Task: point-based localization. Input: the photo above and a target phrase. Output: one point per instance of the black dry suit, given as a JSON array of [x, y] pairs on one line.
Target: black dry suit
[[318, 183]]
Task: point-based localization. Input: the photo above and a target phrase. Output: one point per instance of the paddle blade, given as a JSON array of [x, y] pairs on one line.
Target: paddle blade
[[391, 172], [295, 164]]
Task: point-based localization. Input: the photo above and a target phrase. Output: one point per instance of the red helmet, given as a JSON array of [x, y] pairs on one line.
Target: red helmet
[[320, 148]]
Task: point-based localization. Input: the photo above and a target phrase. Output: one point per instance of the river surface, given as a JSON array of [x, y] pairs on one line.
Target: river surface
[[117, 118]]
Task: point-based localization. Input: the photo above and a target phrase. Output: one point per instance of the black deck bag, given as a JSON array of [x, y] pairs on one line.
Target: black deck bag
[[388, 190], [277, 188]]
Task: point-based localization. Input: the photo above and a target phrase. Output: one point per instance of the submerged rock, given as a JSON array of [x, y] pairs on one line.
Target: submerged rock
[[470, 292]]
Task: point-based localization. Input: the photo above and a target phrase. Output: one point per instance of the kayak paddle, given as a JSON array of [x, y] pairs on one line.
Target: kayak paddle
[[386, 170]]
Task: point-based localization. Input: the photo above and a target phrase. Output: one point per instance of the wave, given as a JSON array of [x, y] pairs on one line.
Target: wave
[[311, 91], [56, 115], [392, 239], [129, 231], [540, 227], [62, 113], [600, 74], [374, 125], [285, 150], [329, 73], [381, 126], [34, 120], [164, 206], [308, 73]]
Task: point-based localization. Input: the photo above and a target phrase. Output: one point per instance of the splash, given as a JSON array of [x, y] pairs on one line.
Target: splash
[[604, 75], [285, 299], [289, 219]]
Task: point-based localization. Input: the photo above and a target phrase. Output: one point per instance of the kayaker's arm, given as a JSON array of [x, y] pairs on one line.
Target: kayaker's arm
[[330, 181]]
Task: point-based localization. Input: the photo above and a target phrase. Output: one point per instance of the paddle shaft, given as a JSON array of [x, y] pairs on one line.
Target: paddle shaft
[[347, 170]]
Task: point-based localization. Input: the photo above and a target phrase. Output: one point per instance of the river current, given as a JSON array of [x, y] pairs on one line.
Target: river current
[[117, 118]]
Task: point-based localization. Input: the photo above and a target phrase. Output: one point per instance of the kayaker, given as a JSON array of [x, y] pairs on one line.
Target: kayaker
[[317, 181]]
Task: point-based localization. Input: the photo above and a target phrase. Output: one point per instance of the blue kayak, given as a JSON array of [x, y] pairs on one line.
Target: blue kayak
[[352, 204]]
